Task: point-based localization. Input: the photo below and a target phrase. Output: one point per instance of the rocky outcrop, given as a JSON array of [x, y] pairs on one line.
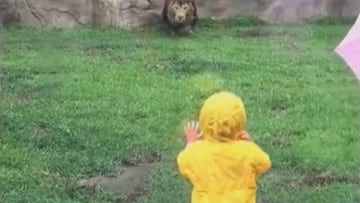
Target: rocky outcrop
[[72, 13], [138, 13], [293, 11]]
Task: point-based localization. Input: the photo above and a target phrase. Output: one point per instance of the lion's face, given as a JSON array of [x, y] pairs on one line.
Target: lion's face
[[180, 10]]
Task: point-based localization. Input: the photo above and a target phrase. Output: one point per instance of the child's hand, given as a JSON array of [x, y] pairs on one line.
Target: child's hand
[[245, 136], [191, 131]]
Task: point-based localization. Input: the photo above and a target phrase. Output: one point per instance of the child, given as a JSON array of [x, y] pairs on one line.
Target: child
[[222, 162]]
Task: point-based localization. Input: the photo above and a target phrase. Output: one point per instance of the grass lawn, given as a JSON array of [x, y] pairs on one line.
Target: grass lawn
[[76, 103]]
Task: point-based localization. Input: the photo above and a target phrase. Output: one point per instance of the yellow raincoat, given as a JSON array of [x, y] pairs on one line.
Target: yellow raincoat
[[221, 167]]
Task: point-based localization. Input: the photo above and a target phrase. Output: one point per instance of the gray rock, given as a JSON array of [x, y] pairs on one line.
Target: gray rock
[[297, 10], [140, 13]]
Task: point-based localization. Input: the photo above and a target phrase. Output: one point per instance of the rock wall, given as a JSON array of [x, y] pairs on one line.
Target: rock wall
[[138, 13]]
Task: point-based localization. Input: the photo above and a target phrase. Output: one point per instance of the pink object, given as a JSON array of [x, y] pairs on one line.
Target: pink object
[[349, 48]]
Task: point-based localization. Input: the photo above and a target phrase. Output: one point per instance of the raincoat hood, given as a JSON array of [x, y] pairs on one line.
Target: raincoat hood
[[222, 117]]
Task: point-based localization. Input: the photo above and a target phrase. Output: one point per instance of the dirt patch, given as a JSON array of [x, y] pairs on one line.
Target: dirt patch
[[261, 199], [140, 159], [126, 182], [293, 47], [41, 130], [259, 32], [89, 51], [280, 142], [136, 115], [279, 106], [321, 178], [23, 99], [282, 138]]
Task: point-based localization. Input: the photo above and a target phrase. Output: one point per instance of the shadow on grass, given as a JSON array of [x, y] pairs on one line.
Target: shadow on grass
[[179, 67], [237, 21], [207, 23], [333, 21]]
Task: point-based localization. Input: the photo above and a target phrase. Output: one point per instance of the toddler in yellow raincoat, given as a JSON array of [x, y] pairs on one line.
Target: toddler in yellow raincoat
[[222, 162]]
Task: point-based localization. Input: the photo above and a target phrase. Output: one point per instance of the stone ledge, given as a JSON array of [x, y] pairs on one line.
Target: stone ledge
[[140, 13]]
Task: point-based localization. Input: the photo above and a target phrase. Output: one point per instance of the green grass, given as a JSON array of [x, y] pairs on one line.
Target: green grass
[[77, 102]]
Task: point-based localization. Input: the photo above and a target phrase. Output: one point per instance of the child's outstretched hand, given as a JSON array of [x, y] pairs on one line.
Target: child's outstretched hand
[[191, 131], [245, 136]]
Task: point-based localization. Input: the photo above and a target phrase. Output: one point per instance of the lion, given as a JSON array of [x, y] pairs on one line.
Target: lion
[[180, 16]]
